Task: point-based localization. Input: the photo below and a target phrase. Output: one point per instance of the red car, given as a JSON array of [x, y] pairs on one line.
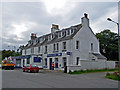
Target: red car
[[31, 68]]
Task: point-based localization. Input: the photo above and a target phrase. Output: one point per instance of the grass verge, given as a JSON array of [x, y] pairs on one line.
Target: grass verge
[[91, 71], [113, 76]]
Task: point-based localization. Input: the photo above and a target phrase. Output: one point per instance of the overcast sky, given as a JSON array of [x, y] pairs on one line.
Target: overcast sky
[[20, 19]]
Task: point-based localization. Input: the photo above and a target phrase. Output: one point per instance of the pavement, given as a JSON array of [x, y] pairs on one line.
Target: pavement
[[55, 79]]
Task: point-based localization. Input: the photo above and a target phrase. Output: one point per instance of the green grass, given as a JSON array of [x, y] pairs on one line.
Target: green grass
[[92, 71], [113, 77]]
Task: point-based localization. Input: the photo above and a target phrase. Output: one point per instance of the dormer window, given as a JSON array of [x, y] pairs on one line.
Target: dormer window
[[42, 39], [59, 35], [72, 29], [68, 32], [63, 33], [53, 36], [36, 40], [49, 37]]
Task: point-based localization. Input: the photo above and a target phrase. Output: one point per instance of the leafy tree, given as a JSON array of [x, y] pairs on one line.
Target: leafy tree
[[108, 44], [7, 53]]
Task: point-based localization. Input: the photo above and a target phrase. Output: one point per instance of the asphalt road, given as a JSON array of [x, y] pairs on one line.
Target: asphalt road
[[49, 79]]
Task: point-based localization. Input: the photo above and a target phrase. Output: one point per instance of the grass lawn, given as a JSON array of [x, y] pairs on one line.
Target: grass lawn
[[92, 71], [112, 76]]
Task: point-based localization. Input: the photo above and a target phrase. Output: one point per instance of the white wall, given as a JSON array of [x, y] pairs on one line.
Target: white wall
[[85, 37], [111, 64], [87, 64]]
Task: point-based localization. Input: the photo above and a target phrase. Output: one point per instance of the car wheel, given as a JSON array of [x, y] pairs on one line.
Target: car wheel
[[37, 71], [23, 70], [29, 70]]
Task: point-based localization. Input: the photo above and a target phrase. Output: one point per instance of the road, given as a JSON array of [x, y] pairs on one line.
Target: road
[[49, 79]]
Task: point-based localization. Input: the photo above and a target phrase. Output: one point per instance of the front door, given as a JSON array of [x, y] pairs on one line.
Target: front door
[[65, 64], [50, 63], [64, 61]]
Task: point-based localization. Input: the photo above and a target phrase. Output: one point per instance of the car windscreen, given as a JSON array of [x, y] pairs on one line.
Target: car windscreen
[[34, 66], [26, 66]]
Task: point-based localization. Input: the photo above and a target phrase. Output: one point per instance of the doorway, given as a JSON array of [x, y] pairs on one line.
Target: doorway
[[64, 61], [65, 64], [50, 63]]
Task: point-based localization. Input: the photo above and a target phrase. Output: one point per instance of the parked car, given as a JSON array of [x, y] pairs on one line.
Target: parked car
[[31, 68]]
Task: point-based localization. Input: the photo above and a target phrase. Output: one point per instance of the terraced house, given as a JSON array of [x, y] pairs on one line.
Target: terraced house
[[75, 47]]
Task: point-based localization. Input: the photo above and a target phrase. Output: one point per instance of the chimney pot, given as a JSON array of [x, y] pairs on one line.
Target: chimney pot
[[85, 15], [33, 36], [54, 28]]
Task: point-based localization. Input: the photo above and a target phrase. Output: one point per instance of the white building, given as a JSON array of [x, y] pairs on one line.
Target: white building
[[75, 47]]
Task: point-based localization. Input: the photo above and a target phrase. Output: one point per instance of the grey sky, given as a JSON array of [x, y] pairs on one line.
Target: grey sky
[[20, 19]]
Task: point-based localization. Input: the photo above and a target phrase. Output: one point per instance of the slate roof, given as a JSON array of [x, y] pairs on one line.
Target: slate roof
[[99, 56], [56, 39]]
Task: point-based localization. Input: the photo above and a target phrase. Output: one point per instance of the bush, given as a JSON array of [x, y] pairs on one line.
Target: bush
[[107, 74]]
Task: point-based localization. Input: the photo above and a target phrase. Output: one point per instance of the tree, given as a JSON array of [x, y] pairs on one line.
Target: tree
[[108, 44], [7, 53]]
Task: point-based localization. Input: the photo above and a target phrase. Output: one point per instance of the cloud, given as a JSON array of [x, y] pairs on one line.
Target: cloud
[[20, 19]]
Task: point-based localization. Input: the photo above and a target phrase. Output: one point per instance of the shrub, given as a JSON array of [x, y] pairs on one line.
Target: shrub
[[107, 74]]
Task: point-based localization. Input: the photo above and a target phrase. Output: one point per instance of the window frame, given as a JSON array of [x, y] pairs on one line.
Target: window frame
[[77, 60], [39, 49], [64, 45], [91, 47], [77, 44], [57, 46], [46, 48]]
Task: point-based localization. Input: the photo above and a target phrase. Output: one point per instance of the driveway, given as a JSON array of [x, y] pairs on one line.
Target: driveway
[[54, 79]]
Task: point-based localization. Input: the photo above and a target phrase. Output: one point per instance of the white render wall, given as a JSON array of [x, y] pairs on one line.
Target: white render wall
[[92, 65], [85, 38]]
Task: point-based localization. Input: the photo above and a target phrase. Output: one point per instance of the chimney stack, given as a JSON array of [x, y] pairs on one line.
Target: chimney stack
[[54, 28], [33, 36], [85, 20], [85, 15]]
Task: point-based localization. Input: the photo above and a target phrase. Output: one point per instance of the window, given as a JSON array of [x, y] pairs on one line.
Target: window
[[93, 58], [37, 59], [28, 61], [57, 46], [25, 51], [64, 45], [53, 47], [52, 36], [77, 60], [49, 37], [45, 49], [45, 61], [59, 34], [42, 39], [72, 31], [39, 49], [77, 44], [68, 32], [91, 46], [36, 41], [64, 33], [32, 50]]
